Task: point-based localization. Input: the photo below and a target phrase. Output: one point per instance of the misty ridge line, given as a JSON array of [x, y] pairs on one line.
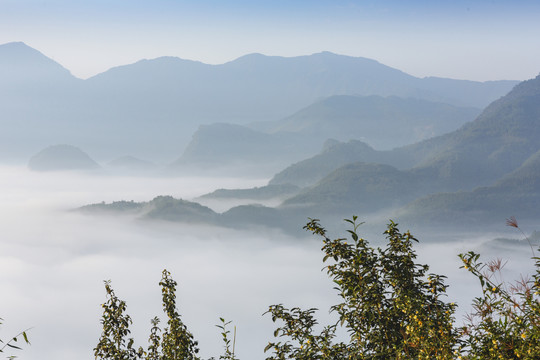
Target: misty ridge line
[[245, 57], [155, 109], [473, 175], [420, 172]]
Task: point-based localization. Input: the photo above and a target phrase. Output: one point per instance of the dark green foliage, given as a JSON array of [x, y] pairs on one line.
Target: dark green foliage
[[174, 343], [113, 343], [155, 341], [229, 349], [298, 327], [391, 307], [177, 342]]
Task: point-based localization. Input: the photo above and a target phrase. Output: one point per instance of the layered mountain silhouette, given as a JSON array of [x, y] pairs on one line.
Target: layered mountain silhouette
[[487, 170], [515, 194], [497, 142], [382, 122], [220, 147], [129, 109]]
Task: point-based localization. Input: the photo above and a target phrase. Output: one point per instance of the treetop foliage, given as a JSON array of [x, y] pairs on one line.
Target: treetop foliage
[[391, 308]]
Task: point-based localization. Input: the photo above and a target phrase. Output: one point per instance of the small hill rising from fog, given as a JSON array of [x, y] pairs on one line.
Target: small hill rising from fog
[[61, 157]]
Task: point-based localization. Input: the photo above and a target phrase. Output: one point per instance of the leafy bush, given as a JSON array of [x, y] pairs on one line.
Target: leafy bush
[[175, 343], [505, 320], [391, 308]]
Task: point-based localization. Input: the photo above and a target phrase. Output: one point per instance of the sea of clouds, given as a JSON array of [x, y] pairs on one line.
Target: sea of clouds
[[53, 262]]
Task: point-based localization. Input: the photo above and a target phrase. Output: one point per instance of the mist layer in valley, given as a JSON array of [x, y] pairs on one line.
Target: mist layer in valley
[[132, 171], [54, 259]]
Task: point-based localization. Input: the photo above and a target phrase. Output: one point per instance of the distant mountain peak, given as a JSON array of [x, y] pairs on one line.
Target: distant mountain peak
[[18, 60], [15, 44], [17, 49]]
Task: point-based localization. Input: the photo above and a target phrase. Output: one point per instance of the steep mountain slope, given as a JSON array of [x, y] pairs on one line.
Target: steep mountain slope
[[359, 187], [497, 155], [516, 194], [36, 93], [334, 155], [498, 141]]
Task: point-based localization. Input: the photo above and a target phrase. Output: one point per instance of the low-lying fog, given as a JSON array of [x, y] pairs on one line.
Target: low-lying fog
[[53, 263]]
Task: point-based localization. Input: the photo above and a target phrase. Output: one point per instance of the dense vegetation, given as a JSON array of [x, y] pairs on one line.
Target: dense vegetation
[[391, 307]]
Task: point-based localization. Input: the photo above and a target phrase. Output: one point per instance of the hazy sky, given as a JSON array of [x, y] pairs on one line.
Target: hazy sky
[[477, 40]]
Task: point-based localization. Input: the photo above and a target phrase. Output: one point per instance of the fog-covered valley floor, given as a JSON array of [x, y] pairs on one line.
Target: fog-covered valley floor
[[53, 262]]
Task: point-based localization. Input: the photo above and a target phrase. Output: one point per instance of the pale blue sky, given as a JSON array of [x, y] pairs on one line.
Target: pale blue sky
[[477, 40]]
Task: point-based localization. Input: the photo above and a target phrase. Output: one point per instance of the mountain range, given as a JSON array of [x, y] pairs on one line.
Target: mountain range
[[150, 109], [487, 170], [266, 147]]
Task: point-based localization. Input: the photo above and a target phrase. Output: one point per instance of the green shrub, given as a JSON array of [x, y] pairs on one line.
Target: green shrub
[[391, 308], [505, 320]]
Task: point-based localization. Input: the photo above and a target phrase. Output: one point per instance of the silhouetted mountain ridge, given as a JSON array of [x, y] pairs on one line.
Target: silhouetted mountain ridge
[[167, 99]]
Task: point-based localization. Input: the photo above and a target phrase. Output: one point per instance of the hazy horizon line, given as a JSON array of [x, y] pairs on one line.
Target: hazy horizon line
[[240, 57]]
